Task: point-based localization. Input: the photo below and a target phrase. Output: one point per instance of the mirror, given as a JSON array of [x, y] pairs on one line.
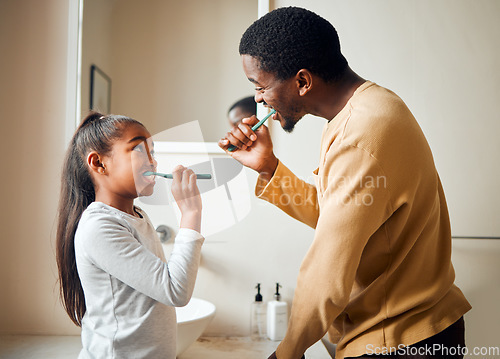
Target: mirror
[[169, 62]]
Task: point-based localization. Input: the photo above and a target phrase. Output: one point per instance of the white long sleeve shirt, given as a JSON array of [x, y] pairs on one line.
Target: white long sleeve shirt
[[130, 289]]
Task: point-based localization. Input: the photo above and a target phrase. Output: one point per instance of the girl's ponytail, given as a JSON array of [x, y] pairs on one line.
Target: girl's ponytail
[[95, 133]]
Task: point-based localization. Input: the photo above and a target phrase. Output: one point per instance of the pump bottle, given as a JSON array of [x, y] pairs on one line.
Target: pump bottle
[[277, 317], [258, 317]]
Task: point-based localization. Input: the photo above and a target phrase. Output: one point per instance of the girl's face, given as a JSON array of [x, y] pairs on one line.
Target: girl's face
[[130, 157]]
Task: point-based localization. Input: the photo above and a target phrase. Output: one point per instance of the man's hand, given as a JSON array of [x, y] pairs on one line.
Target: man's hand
[[253, 149]]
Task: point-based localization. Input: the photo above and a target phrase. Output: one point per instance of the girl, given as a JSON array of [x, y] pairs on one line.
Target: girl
[[115, 282]]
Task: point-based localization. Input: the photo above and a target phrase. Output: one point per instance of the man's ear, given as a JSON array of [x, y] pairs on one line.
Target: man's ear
[[94, 161], [304, 81]]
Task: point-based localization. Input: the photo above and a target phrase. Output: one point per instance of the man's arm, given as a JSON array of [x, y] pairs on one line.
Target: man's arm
[[276, 183], [294, 196]]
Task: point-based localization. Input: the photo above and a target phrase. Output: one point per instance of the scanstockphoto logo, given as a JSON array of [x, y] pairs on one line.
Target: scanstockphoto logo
[[436, 351], [226, 197]]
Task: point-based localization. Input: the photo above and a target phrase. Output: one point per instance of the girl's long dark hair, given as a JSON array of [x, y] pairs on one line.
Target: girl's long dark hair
[[96, 133]]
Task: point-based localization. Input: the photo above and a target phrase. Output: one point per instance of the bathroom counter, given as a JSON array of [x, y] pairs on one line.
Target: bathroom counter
[[241, 348], [64, 347]]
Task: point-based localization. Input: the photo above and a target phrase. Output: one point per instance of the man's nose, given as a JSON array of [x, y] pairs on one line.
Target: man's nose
[[258, 97]]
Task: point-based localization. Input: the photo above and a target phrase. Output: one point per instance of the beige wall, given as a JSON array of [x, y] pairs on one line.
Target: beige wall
[[33, 38]]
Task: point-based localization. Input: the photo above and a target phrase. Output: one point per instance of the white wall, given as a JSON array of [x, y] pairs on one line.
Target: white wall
[[34, 42]]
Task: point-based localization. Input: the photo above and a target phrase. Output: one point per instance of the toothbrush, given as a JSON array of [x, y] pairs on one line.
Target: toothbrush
[[231, 148], [170, 176]]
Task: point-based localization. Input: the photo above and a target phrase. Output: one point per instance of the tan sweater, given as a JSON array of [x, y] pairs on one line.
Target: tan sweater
[[378, 273]]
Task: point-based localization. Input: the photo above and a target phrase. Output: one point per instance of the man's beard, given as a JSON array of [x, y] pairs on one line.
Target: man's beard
[[290, 123], [291, 118]]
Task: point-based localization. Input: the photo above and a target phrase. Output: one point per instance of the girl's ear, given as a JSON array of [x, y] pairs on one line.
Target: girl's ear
[[304, 81], [95, 163]]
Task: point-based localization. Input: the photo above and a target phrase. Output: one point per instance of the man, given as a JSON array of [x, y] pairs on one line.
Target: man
[[246, 107], [378, 275]]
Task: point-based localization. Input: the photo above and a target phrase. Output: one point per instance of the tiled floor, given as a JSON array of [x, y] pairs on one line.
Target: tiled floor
[[60, 347]]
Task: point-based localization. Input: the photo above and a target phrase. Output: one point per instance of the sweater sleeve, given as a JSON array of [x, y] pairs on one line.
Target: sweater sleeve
[[294, 196], [351, 210], [110, 246]]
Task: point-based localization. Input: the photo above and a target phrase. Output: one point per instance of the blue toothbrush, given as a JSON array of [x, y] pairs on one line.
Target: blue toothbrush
[[170, 176]]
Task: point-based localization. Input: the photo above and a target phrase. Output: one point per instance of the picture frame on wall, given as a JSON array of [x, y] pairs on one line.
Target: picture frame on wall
[[100, 90]]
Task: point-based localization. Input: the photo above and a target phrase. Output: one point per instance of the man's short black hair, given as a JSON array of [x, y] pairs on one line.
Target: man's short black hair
[[291, 38], [247, 104]]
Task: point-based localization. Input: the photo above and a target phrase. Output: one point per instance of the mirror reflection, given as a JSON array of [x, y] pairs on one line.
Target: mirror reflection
[[168, 62]]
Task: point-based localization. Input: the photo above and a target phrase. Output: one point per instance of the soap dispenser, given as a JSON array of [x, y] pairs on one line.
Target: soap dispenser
[[277, 316], [258, 317]]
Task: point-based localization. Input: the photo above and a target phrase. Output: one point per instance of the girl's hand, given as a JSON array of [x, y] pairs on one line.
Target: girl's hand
[[187, 197]]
